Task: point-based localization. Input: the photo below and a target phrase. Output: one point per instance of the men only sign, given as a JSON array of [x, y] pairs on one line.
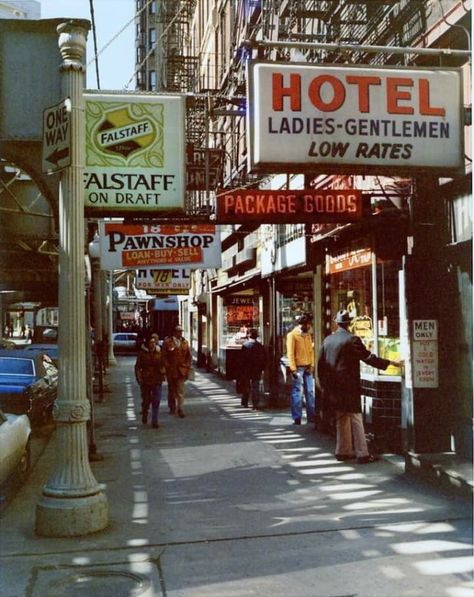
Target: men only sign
[[160, 246]]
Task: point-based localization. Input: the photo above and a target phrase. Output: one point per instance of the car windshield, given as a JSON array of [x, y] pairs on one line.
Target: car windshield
[[12, 366]]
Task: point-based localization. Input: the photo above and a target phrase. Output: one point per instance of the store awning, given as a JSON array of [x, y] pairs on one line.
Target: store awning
[[241, 283]]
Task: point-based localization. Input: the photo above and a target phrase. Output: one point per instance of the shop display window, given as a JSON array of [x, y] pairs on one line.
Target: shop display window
[[351, 288], [239, 313], [388, 317], [295, 299]]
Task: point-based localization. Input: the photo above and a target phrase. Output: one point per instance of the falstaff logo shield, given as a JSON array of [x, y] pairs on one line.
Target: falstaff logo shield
[[125, 130]]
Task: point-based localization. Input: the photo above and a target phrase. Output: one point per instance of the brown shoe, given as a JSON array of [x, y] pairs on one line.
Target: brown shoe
[[343, 457], [367, 459], [181, 414]]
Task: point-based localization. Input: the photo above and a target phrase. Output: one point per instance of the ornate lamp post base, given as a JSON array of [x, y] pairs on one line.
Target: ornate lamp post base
[[66, 517]]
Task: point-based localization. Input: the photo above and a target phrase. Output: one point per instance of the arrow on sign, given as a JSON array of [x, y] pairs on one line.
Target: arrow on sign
[[58, 155]]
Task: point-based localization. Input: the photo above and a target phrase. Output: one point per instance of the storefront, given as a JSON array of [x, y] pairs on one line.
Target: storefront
[[367, 286], [238, 314]]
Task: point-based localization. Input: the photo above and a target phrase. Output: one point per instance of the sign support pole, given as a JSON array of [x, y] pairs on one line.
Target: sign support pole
[[72, 503], [426, 426]]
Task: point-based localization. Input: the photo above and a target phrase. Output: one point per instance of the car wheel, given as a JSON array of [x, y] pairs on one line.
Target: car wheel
[[25, 462]]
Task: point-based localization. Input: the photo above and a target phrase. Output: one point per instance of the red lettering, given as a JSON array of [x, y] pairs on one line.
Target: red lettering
[[363, 83], [395, 95], [424, 94], [229, 203], [279, 92], [339, 93]]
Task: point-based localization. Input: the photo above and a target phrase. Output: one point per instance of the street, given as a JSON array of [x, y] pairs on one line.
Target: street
[[231, 502]]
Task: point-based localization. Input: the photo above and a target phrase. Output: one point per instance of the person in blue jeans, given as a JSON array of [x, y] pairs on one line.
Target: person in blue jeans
[[150, 373], [300, 352]]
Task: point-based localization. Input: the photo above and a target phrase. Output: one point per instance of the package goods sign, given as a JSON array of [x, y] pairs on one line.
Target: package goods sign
[[286, 207], [159, 246], [425, 353], [164, 281], [135, 154], [359, 119]]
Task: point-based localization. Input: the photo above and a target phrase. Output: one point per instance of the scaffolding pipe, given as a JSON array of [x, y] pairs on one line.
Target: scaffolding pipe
[[300, 45]]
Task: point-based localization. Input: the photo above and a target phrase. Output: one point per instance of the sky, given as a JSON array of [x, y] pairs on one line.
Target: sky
[[117, 61]]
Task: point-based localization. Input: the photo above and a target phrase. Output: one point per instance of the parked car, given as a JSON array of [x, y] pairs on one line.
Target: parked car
[[45, 334], [28, 384], [49, 349], [124, 342], [15, 433]]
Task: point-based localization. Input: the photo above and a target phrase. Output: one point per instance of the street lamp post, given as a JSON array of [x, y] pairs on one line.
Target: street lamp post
[[72, 503], [110, 320], [94, 253]]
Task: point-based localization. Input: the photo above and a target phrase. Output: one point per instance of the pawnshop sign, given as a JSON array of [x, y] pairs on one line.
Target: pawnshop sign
[[124, 246], [356, 119], [135, 154], [285, 207]]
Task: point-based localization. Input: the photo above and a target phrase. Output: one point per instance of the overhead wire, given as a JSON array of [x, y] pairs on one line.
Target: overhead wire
[[127, 24], [94, 34], [150, 52]]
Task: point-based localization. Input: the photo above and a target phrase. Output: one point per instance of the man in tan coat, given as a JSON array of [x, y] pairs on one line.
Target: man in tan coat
[[178, 361]]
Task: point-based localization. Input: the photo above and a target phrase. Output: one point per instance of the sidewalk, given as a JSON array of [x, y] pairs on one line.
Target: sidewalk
[[234, 502]]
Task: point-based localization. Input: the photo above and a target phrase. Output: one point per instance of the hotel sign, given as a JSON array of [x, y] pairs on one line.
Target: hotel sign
[[164, 281], [286, 207], [160, 246], [350, 118], [135, 154]]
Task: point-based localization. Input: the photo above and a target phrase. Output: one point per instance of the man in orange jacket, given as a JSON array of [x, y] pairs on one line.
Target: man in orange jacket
[[300, 352]]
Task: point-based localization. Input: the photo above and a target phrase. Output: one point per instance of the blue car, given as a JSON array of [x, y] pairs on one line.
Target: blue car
[[49, 349], [28, 384]]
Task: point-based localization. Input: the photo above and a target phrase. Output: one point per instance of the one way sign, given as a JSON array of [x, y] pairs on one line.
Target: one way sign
[[57, 137]]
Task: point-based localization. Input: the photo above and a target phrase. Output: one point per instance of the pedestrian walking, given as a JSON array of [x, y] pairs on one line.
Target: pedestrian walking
[[300, 352], [253, 363], [339, 377], [150, 373], [178, 362]]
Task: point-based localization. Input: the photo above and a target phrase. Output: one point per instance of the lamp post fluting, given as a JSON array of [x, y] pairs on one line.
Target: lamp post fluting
[[72, 503], [112, 360]]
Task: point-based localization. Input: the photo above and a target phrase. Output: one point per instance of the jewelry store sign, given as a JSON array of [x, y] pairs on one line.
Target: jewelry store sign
[[160, 246], [351, 119], [425, 353], [135, 154]]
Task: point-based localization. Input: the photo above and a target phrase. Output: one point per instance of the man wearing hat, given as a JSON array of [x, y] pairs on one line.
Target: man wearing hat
[[339, 377], [300, 352]]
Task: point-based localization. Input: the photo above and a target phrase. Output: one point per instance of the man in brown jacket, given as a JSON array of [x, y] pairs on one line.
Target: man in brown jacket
[[178, 361], [150, 373]]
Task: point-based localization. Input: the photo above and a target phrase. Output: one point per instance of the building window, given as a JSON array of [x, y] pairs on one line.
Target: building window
[[152, 38], [153, 7], [152, 80]]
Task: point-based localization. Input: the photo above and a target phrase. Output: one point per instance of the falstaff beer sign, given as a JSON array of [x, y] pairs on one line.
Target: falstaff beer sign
[[339, 118], [286, 207], [159, 246], [135, 154]]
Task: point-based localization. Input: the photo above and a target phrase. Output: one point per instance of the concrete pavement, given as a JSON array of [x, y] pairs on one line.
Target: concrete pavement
[[233, 502]]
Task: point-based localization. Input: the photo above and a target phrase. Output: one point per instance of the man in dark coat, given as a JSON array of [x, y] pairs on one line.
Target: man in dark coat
[[253, 363], [339, 377]]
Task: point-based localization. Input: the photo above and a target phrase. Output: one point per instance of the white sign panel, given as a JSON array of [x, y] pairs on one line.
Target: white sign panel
[[161, 246], [354, 118], [57, 137], [164, 281], [135, 153], [425, 353]]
